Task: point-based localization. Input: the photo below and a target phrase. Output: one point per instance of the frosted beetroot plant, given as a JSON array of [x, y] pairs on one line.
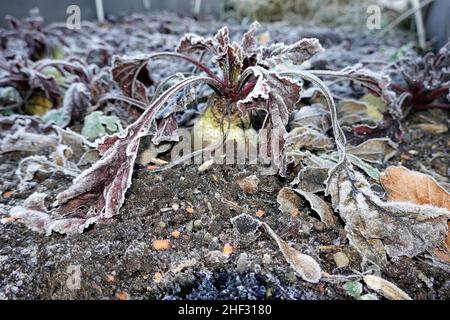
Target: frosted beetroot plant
[[245, 79], [423, 83]]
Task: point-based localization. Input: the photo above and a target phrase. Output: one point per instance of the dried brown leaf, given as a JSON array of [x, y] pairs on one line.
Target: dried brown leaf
[[406, 185]]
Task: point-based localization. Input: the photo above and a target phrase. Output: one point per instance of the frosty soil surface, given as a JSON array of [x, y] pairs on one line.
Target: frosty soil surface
[[118, 256]]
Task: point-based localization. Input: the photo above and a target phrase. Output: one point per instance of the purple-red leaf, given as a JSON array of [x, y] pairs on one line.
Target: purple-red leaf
[[277, 96], [132, 76]]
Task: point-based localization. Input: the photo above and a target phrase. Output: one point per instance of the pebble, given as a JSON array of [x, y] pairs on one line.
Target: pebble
[[242, 263], [405, 157], [341, 259], [305, 227], [215, 257], [288, 200], [175, 207], [292, 277], [190, 226], [198, 223], [248, 184], [413, 152], [267, 259], [161, 224], [319, 226], [175, 233], [206, 165]]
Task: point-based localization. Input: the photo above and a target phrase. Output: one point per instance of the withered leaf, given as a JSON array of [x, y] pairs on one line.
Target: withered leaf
[[385, 288], [76, 101], [288, 200], [308, 269], [311, 179], [377, 150], [352, 111], [25, 133], [306, 138], [403, 184], [132, 76], [298, 52], [404, 229], [319, 206], [314, 116]]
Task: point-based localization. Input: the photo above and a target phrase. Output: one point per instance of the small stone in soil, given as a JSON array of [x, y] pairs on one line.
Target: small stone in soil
[[248, 184], [245, 225], [341, 259]]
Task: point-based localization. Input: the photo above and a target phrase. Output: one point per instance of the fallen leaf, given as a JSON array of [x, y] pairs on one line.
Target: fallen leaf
[[25, 133], [377, 150], [161, 244], [308, 269], [227, 249], [402, 184], [248, 184], [352, 111], [432, 128], [314, 116], [444, 256], [307, 138], [311, 179], [38, 105], [375, 227], [319, 206], [375, 106], [385, 288]]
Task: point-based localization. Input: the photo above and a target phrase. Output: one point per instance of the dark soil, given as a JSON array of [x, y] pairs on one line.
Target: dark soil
[[118, 255]]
